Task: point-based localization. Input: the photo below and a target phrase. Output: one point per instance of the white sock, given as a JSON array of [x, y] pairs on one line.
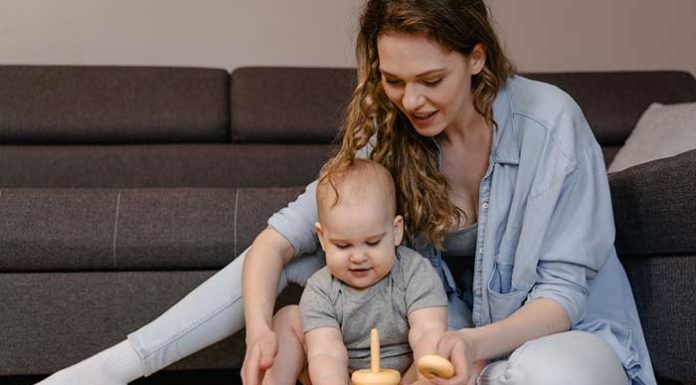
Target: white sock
[[117, 365]]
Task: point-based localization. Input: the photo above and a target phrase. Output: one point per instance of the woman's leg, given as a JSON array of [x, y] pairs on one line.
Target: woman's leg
[[569, 358], [210, 313]]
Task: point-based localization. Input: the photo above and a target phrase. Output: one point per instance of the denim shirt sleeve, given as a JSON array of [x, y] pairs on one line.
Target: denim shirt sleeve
[[578, 232], [296, 221]]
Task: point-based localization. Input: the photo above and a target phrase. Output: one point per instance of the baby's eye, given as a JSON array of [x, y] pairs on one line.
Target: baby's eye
[[373, 243], [342, 246]]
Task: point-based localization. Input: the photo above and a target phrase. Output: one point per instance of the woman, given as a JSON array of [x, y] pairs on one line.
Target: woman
[[496, 170]]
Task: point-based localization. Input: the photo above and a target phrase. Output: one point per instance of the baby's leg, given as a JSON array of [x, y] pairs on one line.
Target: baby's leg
[[291, 358]]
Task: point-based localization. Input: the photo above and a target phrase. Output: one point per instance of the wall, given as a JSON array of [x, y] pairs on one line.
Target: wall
[[540, 35]]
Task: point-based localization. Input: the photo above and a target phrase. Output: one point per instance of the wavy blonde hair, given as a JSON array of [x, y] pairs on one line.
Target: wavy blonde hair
[[422, 190]]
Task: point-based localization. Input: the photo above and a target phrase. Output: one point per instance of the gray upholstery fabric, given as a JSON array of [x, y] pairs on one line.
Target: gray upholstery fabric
[[614, 101], [71, 104], [306, 104], [654, 205], [180, 165], [150, 198], [139, 229], [663, 287], [292, 105], [57, 319]]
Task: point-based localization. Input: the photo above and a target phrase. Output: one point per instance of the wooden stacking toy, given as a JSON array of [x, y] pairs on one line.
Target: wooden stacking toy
[[432, 365], [375, 375]]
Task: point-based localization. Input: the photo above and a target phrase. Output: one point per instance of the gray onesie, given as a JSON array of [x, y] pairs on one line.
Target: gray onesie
[[412, 284]]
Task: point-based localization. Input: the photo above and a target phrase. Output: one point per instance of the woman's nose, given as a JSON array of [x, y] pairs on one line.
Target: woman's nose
[[412, 98]]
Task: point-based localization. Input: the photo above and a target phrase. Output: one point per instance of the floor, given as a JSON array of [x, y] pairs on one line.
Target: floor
[[198, 377]]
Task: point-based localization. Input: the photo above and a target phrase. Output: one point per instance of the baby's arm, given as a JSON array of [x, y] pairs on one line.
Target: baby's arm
[[427, 325], [327, 357]]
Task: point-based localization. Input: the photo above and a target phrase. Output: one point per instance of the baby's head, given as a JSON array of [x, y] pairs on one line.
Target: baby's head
[[358, 227]]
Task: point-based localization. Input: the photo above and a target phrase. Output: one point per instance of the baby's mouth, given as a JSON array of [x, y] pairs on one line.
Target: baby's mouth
[[359, 272]]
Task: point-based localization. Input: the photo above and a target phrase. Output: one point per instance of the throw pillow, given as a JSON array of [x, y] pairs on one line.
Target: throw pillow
[[662, 131]]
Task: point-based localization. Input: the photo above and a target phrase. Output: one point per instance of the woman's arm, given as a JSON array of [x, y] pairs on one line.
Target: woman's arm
[[262, 268], [537, 318], [327, 357]]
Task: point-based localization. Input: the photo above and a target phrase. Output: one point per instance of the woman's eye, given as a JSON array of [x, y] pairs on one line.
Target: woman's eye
[[392, 81], [432, 83]]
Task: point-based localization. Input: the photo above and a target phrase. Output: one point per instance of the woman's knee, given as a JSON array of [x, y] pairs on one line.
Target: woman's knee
[[571, 358]]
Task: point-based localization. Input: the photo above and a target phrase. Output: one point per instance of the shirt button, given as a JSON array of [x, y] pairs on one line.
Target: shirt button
[[480, 250], [485, 205], [477, 292]]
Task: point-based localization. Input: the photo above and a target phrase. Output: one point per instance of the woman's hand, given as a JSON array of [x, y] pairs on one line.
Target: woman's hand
[[259, 356], [460, 349]]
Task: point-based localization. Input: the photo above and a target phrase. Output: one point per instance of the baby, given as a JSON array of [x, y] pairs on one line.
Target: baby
[[369, 281]]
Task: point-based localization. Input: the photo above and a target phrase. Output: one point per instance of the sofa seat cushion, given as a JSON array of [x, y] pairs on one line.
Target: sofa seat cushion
[[131, 229], [109, 104]]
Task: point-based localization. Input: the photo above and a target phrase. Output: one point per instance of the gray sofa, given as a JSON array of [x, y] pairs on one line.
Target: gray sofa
[[122, 188]]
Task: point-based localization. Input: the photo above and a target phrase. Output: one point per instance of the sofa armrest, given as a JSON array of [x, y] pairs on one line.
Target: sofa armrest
[[654, 206]]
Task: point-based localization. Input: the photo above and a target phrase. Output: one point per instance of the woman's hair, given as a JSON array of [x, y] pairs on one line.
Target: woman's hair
[[422, 190]]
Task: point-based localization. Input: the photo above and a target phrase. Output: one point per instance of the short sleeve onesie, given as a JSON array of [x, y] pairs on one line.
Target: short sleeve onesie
[[412, 284]]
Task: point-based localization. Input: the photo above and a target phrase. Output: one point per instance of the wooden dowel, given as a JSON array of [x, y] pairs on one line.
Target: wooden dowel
[[374, 351]]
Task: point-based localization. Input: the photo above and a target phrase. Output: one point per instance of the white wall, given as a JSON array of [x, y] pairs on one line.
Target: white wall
[[555, 35], [541, 35], [215, 33]]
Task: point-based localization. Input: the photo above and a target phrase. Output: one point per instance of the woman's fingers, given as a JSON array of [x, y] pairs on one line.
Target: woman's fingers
[[259, 358], [453, 347], [250, 367]]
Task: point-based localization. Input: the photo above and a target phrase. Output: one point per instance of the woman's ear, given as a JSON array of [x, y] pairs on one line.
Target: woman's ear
[[320, 234], [398, 230], [477, 59]]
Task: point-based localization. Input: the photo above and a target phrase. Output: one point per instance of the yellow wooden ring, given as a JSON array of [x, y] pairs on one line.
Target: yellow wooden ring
[[383, 377], [432, 365]]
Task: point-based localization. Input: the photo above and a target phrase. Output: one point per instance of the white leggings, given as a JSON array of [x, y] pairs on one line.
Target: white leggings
[[214, 311]]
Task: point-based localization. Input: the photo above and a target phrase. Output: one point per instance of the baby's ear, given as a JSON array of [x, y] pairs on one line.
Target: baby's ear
[[398, 229], [320, 234]]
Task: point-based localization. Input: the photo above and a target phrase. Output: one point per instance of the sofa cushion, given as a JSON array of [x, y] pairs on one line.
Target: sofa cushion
[[174, 165], [662, 131], [95, 104], [663, 287], [654, 205], [143, 229], [295, 105], [54, 320], [614, 101]]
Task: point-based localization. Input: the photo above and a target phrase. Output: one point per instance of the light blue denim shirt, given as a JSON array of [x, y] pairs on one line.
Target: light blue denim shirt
[[546, 227]]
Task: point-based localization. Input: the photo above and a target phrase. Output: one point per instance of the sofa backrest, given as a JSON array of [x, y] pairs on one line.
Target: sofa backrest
[[113, 105], [147, 127], [614, 101]]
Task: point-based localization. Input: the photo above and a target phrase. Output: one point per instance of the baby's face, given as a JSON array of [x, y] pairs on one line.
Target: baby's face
[[358, 239]]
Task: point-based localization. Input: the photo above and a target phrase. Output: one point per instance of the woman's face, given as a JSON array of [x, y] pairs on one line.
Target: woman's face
[[430, 84]]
